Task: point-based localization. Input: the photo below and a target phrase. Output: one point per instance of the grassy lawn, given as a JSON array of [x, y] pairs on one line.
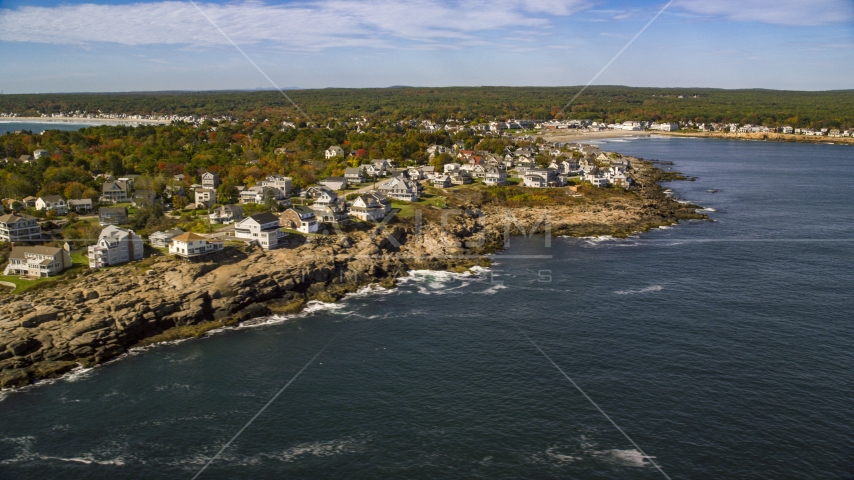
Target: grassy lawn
[[407, 209], [79, 263]]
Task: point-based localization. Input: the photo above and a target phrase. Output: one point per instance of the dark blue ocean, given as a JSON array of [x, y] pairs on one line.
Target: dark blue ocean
[[723, 349], [8, 126]]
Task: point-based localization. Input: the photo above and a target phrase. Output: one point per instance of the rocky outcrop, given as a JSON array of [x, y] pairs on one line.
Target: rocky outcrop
[[100, 314]]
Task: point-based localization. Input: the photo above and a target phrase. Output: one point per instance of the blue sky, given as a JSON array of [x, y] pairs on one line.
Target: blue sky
[[96, 46]]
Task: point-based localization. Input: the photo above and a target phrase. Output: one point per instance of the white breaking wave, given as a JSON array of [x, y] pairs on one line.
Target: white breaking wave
[[653, 288], [492, 290], [626, 458]]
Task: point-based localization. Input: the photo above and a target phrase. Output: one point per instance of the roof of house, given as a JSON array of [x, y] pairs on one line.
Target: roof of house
[[12, 218], [51, 198], [353, 170], [334, 179], [82, 201], [265, 217], [188, 237], [114, 231], [117, 185], [21, 252], [168, 233], [301, 210]]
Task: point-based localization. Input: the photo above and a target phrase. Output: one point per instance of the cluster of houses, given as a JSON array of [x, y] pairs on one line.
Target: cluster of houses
[[321, 202]]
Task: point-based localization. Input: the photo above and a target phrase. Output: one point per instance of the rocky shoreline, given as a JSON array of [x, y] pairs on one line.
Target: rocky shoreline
[[99, 315]]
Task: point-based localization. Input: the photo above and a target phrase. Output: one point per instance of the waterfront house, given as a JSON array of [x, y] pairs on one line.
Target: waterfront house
[[29, 202], [400, 188], [40, 153], [495, 176], [367, 208], [262, 228], [112, 215], [191, 245], [210, 180], [534, 180], [381, 199], [460, 178], [52, 203], [334, 183], [26, 159], [83, 205], [354, 175], [205, 197], [19, 228], [115, 246], [442, 181], [329, 207], [162, 239], [227, 214], [331, 213], [37, 261], [334, 151], [115, 192], [299, 218]]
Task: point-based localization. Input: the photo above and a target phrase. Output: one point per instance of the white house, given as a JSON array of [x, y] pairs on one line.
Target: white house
[[40, 153], [301, 219], [227, 214], [354, 175], [37, 261], [52, 202], [334, 183], [442, 181], [19, 228], [210, 180], [80, 206], [259, 194], [205, 196], [190, 245], [400, 188], [534, 180], [115, 245], [334, 151], [284, 184], [452, 167], [495, 176], [163, 239], [262, 228], [367, 208]]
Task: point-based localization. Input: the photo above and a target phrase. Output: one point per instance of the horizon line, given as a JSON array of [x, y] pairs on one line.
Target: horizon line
[[400, 87]]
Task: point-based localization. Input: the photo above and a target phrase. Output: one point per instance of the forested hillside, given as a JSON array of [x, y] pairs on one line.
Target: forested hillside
[[611, 104]]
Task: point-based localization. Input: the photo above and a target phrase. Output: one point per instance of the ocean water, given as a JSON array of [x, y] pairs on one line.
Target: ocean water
[[7, 126], [722, 348]]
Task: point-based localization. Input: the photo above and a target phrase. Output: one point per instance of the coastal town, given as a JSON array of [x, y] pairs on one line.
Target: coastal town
[[508, 126], [269, 212]]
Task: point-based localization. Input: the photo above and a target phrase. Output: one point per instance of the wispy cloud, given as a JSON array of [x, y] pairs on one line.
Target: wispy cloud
[[775, 12], [299, 26]]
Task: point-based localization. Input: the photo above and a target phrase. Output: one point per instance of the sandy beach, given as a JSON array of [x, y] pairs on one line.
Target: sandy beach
[[576, 136]]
